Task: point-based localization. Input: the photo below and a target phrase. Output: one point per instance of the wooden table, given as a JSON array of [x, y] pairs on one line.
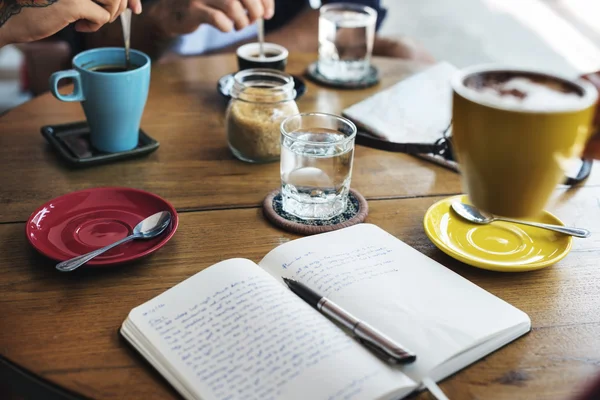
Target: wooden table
[[59, 332]]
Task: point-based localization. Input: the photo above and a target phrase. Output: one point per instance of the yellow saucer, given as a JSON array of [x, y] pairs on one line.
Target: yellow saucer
[[499, 246]]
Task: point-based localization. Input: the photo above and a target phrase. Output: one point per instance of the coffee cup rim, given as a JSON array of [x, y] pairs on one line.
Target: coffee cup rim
[[81, 67], [244, 52], [588, 99]]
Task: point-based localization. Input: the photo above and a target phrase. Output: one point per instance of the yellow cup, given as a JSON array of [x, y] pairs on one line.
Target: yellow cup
[[512, 155]]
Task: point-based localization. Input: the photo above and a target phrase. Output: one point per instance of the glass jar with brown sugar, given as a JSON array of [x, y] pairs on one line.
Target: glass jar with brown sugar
[[260, 100]]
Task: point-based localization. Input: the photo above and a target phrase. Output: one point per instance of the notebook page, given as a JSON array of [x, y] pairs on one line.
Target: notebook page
[[425, 306], [234, 332]]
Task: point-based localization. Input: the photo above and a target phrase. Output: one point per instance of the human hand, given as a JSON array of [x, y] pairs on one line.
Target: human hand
[[30, 20], [178, 17]]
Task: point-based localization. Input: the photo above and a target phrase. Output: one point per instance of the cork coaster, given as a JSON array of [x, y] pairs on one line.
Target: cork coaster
[[371, 79], [356, 212]]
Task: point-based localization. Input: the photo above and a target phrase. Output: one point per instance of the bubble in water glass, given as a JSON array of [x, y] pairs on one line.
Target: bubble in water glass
[[317, 151]]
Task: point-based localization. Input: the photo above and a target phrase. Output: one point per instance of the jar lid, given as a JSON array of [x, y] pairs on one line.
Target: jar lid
[[261, 85]]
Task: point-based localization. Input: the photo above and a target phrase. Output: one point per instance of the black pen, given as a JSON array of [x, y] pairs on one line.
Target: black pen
[[385, 347]]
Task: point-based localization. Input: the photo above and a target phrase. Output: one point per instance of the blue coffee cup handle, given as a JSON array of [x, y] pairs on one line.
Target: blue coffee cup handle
[[76, 95]]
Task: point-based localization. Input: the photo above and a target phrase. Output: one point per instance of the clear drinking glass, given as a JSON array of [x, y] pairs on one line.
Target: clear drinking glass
[[346, 36], [317, 151]]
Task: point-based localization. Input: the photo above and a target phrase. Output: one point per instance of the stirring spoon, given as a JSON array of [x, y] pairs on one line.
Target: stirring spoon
[[261, 38], [126, 24], [149, 228], [472, 214]]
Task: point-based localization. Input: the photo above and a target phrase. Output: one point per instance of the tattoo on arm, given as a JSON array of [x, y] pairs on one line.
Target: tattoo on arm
[[8, 8]]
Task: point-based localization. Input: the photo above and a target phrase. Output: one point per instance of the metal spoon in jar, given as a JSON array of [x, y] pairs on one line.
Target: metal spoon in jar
[[261, 38]]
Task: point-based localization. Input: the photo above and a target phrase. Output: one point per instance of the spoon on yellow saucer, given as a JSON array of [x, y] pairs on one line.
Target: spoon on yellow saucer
[[474, 215]]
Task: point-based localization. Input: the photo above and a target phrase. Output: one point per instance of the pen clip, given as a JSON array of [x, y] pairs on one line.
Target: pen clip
[[379, 352]]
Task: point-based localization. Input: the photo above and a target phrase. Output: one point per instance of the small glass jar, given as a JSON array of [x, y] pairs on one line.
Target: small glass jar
[[260, 100]]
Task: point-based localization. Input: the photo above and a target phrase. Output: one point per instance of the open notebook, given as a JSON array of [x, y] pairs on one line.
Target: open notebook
[[235, 331]]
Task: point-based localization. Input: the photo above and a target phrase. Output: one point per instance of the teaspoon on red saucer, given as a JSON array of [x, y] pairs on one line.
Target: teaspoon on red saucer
[[148, 228]]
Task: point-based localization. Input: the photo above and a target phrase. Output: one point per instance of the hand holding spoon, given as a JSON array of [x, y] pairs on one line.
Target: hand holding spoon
[[472, 214], [126, 24], [149, 228]]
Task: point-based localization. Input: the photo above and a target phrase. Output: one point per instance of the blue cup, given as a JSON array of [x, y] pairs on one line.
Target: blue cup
[[113, 102]]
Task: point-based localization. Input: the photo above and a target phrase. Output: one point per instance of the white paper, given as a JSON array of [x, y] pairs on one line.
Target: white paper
[[233, 332], [426, 307], [415, 110]]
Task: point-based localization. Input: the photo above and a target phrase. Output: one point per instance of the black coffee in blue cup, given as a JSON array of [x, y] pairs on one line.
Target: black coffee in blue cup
[[274, 57]]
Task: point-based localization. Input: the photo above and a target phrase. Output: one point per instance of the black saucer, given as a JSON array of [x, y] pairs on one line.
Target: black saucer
[[226, 83], [72, 143], [372, 78]]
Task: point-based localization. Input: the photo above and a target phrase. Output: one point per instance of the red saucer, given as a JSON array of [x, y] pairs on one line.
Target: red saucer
[[83, 221]]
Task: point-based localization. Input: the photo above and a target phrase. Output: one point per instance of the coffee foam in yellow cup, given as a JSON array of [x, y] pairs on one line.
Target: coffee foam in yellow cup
[[514, 132]]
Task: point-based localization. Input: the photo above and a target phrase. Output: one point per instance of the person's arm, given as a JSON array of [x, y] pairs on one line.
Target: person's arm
[[24, 21], [154, 31]]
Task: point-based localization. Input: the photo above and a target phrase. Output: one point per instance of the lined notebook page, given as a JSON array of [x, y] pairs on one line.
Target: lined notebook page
[[408, 296], [234, 332]]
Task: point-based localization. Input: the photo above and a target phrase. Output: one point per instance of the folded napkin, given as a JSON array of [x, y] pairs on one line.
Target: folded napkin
[[415, 110]]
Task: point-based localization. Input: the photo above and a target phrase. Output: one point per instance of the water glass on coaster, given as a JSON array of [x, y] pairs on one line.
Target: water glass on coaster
[[346, 37], [317, 152], [515, 133]]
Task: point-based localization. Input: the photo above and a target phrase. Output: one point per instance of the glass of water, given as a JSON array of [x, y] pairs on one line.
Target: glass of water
[[317, 151], [346, 36]]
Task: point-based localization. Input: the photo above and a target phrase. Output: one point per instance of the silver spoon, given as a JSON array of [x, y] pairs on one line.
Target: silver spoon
[[126, 24], [150, 227], [261, 38], [472, 214]]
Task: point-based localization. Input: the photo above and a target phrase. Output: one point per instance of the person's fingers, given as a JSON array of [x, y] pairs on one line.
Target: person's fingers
[[255, 9], [235, 11], [136, 6], [269, 7], [122, 7], [112, 6], [212, 16], [92, 16]]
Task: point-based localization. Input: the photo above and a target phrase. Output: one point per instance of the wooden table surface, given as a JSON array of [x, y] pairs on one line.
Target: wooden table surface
[[193, 166], [63, 328]]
